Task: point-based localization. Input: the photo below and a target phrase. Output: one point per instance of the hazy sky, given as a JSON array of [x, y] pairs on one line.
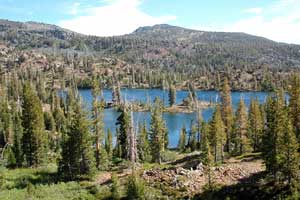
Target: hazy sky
[[278, 20]]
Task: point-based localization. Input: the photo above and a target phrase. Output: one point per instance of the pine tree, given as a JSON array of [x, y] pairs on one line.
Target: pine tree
[[256, 124], [143, 143], [242, 141], [109, 143], [49, 121], [172, 95], [115, 188], [132, 153], [157, 132], [135, 188], [10, 157], [294, 103], [227, 113], [200, 122], [34, 140], [5, 124], [192, 139], [116, 94], [275, 130], [269, 137], [218, 136], [97, 115], [288, 150], [17, 135], [77, 160], [206, 156], [182, 140], [123, 122], [60, 119], [118, 149]]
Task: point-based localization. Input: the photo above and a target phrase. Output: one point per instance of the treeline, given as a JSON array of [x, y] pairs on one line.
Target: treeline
[[152, 56]]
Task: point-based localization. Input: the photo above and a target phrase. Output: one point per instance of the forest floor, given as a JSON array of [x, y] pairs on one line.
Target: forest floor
[[183, 177], [190, 177], [186, 176]]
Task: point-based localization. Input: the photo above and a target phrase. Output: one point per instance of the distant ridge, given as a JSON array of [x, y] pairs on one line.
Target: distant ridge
[[162, 44]]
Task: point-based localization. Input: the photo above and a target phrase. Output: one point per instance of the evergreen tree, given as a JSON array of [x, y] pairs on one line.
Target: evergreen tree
[[49, 121], [157, 132], [294, 103], [135, 188], [227, 113], [123, 122], [77, 160], [288, 150], [34, 140], [218, 136], [279, 131], [269, 136], [10, 158], [172, 95], [132, 153], [242, 141], [59, 119], [275, 130], [206, 156], [200, 122], [280, 146], [17, 135], [116, 94], [109, 143], [5, 124], [118, 148], [182, 140], [97, 124], [256, 124], [143, 143], [115, 187], [192, 139]]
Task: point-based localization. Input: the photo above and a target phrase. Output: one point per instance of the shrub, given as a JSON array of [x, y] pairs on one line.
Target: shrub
[[135, 188], [168, 156]]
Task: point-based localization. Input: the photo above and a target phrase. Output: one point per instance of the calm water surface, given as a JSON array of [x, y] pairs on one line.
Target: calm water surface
[[174, 121]]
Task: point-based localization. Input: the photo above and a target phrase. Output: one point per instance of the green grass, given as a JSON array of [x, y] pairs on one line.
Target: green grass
[[249, 155], [40, 183]]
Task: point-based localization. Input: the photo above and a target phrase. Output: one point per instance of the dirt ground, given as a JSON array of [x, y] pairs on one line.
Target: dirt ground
[[192, 181]]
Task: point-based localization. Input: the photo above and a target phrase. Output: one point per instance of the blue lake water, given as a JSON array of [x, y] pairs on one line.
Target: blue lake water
[[174, 121]]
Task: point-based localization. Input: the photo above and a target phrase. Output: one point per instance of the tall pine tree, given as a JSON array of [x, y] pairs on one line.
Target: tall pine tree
[[172, 95], [143, 143], [256, 125], [123, 123], [158, 132], [182, 140], [227, 113], [97, 123], [77, 160], [241, 141], [34, 140], [218, 136]]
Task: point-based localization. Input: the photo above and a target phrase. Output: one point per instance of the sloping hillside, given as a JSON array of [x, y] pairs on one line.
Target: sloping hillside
[[159, 46]]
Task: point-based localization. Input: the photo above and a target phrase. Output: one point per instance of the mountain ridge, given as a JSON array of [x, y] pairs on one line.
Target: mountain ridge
[[161, 45], [46, 26]]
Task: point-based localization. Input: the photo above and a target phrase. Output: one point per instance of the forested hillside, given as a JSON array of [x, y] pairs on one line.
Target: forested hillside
[[164, 52]]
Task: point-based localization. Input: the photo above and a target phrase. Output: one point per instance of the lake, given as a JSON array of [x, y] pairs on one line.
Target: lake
[[174, 121]]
